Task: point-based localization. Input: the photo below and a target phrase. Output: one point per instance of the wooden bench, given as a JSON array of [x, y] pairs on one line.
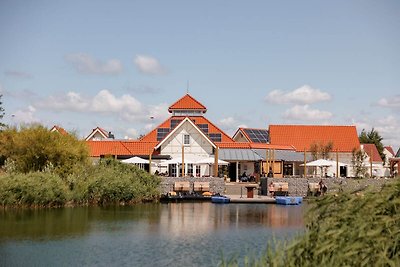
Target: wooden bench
[[281, 189], [182, 186], [201, 186]]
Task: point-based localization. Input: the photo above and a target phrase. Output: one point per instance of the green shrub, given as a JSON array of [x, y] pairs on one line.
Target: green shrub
[[112, 182], [32, 189]]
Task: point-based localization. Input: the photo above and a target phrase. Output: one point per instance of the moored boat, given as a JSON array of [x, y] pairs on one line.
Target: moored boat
[[220, 199], [289, 200]]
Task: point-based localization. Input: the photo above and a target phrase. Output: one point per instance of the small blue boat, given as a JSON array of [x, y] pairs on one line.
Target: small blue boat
[[220, 199], [289, 200]]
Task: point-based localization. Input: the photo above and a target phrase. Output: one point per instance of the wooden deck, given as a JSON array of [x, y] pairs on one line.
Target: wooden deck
[[256, 199]]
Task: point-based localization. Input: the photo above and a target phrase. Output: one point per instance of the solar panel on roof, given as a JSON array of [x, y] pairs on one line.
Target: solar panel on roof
[[257, 135], [215, 137], [203, 127], [161, 133]]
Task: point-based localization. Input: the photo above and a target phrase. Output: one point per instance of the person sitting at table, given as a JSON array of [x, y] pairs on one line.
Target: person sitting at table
[[271, 189], [243, 178]]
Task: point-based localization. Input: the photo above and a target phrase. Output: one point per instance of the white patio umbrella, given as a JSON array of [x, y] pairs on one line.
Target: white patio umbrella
[[211, 160], [135, 160], [177, 160], [323, 163], [319, 163]]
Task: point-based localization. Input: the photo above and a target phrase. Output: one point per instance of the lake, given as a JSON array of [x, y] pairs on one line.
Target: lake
[[173, 234]]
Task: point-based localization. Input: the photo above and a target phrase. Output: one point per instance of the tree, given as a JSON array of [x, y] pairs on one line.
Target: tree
[[358, 157], [1, 112], [320, 150], [372, 137], [35, 148]]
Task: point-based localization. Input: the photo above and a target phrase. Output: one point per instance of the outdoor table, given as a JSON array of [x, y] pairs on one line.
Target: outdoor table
[[250, 190]]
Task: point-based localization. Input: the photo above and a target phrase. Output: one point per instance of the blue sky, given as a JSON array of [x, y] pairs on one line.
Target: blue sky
[[115, 64]]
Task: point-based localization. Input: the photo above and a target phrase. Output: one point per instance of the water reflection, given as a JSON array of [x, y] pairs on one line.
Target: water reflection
[[174, 219], [188, 234]]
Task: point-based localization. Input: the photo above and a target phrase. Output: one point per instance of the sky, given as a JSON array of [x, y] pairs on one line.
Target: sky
[[119, 65]]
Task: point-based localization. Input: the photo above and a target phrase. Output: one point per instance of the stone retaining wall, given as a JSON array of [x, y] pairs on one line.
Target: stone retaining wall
[[299, 186], [217, 185]]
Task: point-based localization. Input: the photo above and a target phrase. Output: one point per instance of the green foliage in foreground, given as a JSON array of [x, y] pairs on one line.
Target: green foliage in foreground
[[110, 182], [344, 230]]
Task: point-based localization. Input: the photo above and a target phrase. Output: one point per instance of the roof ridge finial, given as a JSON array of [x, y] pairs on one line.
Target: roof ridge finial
[[187, 87]]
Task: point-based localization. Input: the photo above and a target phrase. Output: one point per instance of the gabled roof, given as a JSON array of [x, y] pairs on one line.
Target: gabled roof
[[59, 130], [398, 153], [186, 120], [372, 152], [344, 138], [99, 130], [390, 149], [253, 135], [120, 147], [212, 129], [187, 102]]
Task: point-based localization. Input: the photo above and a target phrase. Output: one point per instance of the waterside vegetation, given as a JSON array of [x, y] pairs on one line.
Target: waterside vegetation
[[44, 169], [346, 229]]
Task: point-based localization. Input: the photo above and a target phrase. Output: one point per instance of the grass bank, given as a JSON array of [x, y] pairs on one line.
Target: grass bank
[[109, 182]]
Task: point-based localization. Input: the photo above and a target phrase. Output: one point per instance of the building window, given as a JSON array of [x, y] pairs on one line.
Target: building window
[[190, 170], [198, 171], [186, 139], [172, 170]]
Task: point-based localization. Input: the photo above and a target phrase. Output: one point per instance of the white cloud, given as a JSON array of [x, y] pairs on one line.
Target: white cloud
[[305, 113], [393, 102], [104, 101], [126, 107], [149, 65], [131, 133], [85, 64], [303, 95], [388, 127], [25, 116], [230, 125]]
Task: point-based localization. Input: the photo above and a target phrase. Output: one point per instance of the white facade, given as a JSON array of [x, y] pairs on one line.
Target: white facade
[[195, 145]]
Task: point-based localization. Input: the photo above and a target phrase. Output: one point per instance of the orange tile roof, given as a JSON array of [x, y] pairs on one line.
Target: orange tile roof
[[152, 136], [187, 102], [120, 147], [371, 149], [344, 138], [59, 129]]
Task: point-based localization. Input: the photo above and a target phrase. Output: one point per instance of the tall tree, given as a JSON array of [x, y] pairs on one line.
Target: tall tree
[[373, 137], [1, 112]]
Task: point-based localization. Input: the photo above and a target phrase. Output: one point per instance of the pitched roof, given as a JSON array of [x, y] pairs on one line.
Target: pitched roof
[[390, 149], [103, 132], [120, 147], [344, 138], [59, 129], [212, 129], [187, 102], [255, 135], [372, 152], [186, 120]]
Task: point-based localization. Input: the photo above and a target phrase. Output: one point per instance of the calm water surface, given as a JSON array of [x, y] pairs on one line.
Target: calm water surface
[[176, 234]]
